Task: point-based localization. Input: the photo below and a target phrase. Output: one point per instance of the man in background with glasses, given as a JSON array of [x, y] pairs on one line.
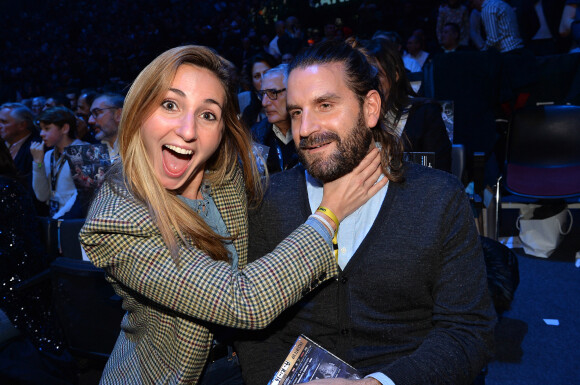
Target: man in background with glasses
[[104, 119], [274, 132]]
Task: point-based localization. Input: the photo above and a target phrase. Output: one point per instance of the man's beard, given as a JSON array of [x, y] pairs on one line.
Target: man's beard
[[349, 152]]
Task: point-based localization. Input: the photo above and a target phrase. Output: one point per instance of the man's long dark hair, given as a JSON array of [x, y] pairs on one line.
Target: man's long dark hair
[[361, 77]]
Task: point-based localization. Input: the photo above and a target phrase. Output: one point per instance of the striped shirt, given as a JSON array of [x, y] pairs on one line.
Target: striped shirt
[[501, 26]]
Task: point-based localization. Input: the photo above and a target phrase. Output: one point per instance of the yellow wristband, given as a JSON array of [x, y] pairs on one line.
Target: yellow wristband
[[39, 165], [329, 214]]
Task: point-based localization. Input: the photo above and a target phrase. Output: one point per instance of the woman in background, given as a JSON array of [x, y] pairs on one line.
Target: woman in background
[[250, 103], [417, 120]]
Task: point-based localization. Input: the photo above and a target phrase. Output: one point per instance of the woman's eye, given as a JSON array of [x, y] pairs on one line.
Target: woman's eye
[[208, 116], [169, 105]]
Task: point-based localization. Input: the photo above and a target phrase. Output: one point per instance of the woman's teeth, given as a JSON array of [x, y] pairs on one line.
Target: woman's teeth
[[179, 150]]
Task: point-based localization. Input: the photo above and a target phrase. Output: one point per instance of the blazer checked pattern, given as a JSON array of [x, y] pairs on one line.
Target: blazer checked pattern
[[170, 309]]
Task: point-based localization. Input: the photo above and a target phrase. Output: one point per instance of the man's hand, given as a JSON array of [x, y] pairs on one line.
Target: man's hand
[[342, 381], [37, 151]]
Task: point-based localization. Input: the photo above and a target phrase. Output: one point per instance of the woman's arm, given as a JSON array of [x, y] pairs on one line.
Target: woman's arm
[[120, 237]]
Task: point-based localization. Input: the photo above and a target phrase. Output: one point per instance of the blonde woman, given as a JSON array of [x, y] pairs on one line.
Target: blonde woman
[[169, 225]]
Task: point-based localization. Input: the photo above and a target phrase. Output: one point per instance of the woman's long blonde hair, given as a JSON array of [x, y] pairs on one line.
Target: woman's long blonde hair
[[176, 221]]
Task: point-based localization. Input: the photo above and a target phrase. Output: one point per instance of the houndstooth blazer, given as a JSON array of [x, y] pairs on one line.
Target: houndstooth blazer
[[165, 337]]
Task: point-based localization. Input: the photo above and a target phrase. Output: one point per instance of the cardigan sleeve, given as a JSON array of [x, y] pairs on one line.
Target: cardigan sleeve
[[119, 237]]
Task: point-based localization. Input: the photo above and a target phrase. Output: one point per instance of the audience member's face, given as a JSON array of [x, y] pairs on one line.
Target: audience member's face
[[11, 129], [287, 58], [105, 119], [72, 98], [329, 127], [275, 109], [330, 31], [258, 70], [83, 107], [448, 38], [50, 102], [37, 105], [413, 46], [186, 129], [52, 135]]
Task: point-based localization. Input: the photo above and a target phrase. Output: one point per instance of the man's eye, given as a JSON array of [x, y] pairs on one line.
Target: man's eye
[[295, 114]]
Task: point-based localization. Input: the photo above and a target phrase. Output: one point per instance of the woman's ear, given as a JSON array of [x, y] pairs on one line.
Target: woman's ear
[[372, 108]]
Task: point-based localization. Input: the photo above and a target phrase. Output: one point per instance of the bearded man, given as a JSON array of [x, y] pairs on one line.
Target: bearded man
[[411, 303]]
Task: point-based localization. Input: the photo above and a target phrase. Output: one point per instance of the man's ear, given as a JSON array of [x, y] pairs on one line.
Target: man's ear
[[65, 128], [372, 108]]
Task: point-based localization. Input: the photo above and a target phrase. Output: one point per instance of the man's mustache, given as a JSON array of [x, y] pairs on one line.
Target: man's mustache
[[317, 139]]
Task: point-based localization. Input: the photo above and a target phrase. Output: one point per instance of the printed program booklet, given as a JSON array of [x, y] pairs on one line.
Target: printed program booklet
[[308, 361]]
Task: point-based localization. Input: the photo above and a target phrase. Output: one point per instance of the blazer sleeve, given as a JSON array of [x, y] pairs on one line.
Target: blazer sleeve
[[461, 341], [119, 237]]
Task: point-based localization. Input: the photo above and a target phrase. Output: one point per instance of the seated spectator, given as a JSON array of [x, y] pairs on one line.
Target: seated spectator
[[293, 40], [250, 104], [287, 58], [274, 132], [280, 28], [72, 95], [454, 12], [417, 120], [51, 178], [105, 118], [56, 100], [415, 50], [83, 113], [450, 39], [38, 103], [17, 131], [410, 64]]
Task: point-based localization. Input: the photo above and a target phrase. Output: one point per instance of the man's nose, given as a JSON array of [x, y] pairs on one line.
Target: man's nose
[[309, 123]]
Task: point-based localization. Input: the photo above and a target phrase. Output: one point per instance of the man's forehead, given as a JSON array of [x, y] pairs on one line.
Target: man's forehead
[[100, 101], [318, 78]]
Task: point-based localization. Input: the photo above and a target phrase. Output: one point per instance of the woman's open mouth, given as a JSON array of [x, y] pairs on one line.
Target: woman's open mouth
[[176, 159]]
